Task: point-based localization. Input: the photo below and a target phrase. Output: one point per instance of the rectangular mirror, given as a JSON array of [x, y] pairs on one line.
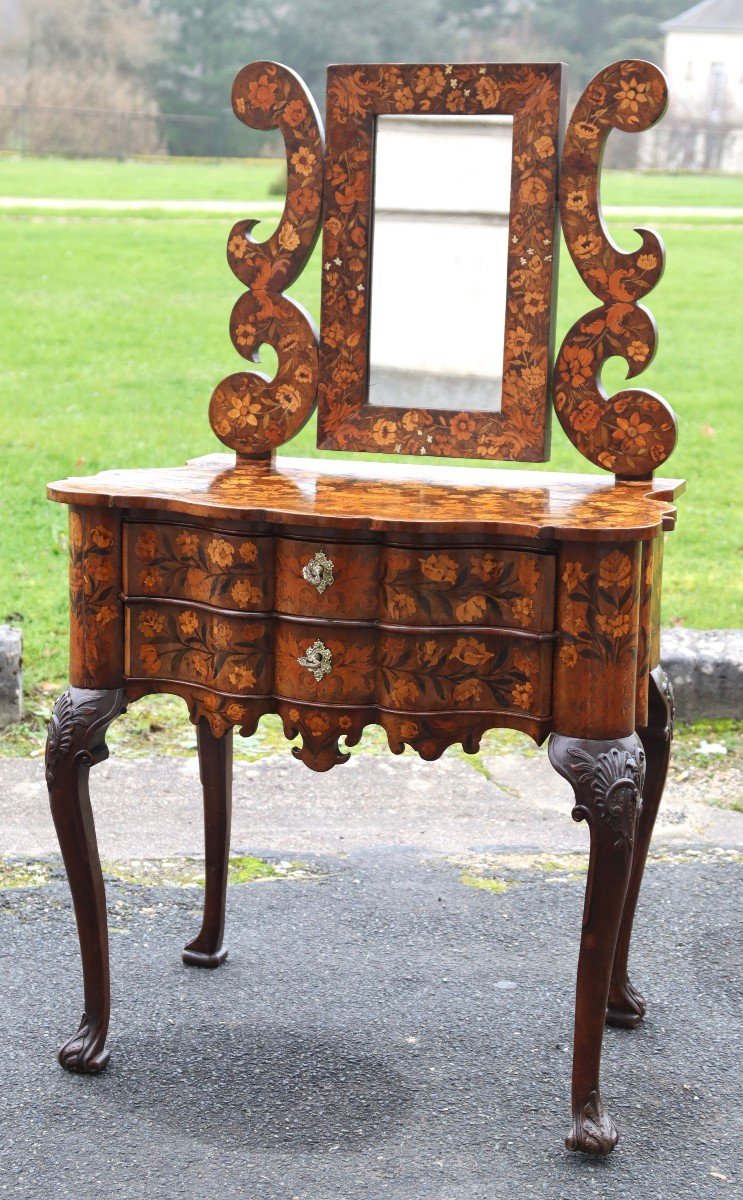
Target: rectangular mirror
[[439, 211], [441, 206]]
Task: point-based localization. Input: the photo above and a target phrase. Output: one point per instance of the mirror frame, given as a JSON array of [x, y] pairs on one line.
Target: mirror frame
[[533, 94]]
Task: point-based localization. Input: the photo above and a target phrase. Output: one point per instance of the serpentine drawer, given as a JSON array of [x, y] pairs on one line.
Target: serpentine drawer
[[225, 570], [433, 670], [424, 585]]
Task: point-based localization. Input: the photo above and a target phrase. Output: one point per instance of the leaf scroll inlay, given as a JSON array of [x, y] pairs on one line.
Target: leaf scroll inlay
[[249, 412], [634, 431]]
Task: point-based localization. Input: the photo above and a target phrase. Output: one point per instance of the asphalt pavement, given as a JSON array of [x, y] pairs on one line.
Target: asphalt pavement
[[381, 1028]]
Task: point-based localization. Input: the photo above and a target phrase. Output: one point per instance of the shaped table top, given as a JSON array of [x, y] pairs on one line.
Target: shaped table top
[[371, 496]]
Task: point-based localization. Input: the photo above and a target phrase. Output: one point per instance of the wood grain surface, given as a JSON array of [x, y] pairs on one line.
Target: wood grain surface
[[360, 496]]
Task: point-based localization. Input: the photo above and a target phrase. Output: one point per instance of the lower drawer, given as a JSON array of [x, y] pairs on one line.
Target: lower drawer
[[325, 663], [434, 671], [194, 645]]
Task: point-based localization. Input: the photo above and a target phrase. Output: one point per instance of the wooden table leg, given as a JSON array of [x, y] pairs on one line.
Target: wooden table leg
[[607, 778], [626, 1006], [215, 768], [76, 741]]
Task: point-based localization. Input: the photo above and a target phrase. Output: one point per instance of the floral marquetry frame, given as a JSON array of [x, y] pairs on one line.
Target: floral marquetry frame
[[531, 94]]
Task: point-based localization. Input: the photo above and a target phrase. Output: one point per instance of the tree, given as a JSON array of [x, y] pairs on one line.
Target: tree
[[65, 55], [312, 33], [204, 44], [84, 37], [590, 34]]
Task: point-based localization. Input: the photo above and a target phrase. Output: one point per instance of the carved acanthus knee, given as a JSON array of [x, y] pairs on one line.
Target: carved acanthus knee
[[608, 789], [77, 730]]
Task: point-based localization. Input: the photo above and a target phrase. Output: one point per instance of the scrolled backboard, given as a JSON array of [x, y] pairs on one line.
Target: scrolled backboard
[[634, 431], [460, 164]]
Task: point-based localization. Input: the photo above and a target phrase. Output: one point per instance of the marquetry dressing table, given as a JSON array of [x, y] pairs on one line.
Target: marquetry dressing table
[[437, 602]]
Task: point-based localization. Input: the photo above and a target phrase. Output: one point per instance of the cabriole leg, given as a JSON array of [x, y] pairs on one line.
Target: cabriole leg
[[75, 742], [215, 768], [626, 1006], [606, 777]]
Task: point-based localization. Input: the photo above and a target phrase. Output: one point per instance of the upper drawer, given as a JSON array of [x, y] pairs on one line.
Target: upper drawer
[[188, 563], [327, 579], [467, 586]]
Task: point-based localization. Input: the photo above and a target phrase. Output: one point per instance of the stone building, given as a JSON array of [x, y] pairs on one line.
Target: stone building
[[703, 129]]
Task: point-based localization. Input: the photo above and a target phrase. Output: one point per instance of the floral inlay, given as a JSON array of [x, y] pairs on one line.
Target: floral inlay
[[249, 412], [634, 431], [350, 589], [205, 648], [355, 95], [598, 616], [345, 669], [196, 564], [94, 586], [322, 731], [467, 587], [446, 671]]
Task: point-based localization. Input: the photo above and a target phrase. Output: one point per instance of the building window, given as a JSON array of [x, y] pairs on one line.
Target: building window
[[717, 86]]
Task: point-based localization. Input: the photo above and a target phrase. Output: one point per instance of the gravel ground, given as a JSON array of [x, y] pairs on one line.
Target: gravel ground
[[151, 807]]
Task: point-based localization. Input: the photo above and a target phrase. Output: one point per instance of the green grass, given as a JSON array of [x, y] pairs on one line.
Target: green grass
[[174, 179], [244, 868], [248, 179], [115, 332], [656, 188], [484, 883]]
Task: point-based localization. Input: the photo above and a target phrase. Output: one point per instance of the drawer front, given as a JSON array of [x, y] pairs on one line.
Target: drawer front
[[193, 645], [472, 586], [187, 563], [432, 672], [338, 666], [327, 579]]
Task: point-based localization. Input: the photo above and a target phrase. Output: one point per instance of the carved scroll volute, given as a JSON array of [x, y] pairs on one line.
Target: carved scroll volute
[[249, 412], [634, 431]]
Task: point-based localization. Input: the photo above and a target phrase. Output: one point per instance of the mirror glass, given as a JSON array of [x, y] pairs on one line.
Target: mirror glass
[[439, 272]]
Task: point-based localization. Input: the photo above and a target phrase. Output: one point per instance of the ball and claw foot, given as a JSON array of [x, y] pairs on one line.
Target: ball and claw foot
[[85, 1052], [200, 958], [626, 1007], [593, 1130]]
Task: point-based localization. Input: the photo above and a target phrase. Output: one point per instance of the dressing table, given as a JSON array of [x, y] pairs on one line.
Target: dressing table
[[437, 602]]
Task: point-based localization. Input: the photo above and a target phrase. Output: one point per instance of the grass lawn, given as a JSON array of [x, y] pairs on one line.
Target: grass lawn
[[115, 332], [249, 179], [174, 179], [654, 187]]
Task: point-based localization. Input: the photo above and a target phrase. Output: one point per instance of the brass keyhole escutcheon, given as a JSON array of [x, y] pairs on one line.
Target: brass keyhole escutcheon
[[319, 571], [317, 659]]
